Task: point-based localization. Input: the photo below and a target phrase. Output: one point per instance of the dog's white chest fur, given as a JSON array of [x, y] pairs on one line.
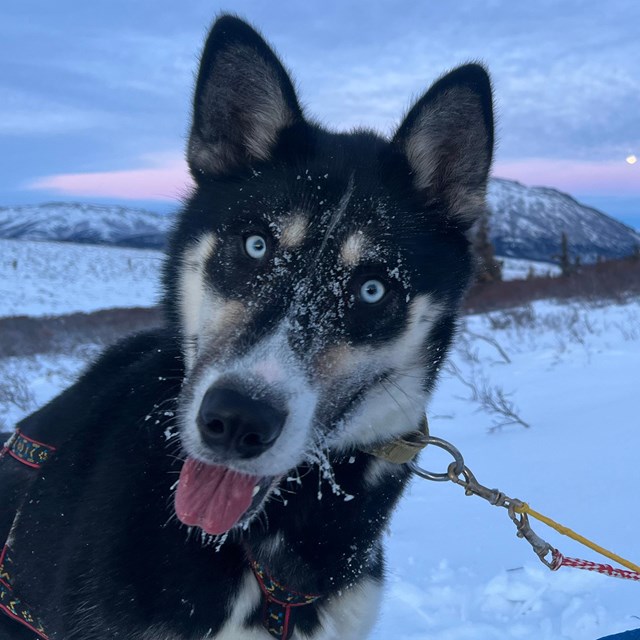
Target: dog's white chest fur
[[347, 616]]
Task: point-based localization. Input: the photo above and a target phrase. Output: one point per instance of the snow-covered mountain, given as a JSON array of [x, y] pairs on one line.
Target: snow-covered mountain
[[527, 222], [85, 223]]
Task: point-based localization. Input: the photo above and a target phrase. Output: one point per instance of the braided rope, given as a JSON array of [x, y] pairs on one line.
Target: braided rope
[[520, 511], [577, 563], [565, 531]]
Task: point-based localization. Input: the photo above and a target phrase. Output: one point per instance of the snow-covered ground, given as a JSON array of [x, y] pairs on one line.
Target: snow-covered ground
[[456, 569], [51, 278], [517, 269], [27, 383]]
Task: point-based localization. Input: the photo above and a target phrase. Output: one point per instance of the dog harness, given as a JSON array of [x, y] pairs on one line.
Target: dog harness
[[27, 450], [33, 454], [280, 603]]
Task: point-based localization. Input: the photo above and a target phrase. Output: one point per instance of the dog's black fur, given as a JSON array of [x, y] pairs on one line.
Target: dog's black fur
[[108, 557], [98, 552]]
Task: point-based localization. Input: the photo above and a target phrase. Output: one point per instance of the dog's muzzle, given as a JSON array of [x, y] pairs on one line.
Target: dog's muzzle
[[235, 426]]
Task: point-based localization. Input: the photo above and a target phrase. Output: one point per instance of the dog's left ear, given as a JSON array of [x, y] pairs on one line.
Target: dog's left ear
[[447, 137], [243, 100]]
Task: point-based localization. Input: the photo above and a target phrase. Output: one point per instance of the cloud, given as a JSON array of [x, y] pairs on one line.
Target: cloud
[[165, 177], [167, 180], [566, 89], [160, 66], [563, 88], [23, 113], [581, 177]]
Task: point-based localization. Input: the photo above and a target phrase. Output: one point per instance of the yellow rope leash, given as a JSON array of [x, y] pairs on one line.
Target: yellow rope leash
[[565, 531], [519, 512]]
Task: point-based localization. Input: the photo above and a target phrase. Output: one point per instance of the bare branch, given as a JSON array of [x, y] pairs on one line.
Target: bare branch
[[493, 342]]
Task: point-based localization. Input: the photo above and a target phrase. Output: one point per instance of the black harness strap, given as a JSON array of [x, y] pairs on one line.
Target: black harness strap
[[26, 450], [280, 603], [32, 454], [13, 606]]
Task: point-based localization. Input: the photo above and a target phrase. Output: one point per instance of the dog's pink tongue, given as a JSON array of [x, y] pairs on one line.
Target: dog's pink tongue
[[211, 497]]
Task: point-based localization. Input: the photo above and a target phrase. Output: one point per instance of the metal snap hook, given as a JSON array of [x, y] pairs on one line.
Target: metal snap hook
[[457, 464]]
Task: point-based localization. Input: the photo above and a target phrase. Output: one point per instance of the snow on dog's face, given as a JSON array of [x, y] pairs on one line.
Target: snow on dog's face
[[314, 276]]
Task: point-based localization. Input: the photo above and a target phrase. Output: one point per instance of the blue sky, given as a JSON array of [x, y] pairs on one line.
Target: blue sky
[[95, 97]]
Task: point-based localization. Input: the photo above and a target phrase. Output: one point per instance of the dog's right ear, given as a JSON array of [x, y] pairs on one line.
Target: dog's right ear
[[447, 137], [243, 99]]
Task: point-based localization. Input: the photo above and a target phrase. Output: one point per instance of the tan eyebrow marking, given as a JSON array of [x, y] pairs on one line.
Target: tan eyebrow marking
[[294, 231], [353, 249]]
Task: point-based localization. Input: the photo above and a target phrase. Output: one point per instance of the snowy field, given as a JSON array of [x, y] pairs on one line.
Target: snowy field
[[517, 269], [456, 569], [50, 278]]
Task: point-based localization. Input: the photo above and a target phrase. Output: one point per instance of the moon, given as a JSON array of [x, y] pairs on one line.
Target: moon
[[631, 159]]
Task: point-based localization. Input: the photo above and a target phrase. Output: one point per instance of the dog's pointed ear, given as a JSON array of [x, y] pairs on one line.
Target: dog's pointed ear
[[447, 138], [243, 99]]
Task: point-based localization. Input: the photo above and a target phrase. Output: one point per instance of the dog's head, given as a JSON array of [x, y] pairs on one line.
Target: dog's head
[[314, 276]]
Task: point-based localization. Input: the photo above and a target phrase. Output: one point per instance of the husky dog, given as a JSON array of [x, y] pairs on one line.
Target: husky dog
[[214, 479]]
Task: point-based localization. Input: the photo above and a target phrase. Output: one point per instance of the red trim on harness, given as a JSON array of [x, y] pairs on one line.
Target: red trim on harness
[[33, 465], [11, 605], [33, 454], [279, 601], [8, 613], [34, 441], [28, 451]]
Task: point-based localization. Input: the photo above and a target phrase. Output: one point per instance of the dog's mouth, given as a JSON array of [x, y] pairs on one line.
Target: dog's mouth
[[217, 498]]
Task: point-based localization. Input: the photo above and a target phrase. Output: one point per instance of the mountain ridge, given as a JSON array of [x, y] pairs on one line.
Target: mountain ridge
[[528, 222], [525, 222], [86, 223]]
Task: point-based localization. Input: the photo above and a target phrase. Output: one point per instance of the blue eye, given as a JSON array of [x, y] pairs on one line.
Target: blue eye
[[255, 246], [372, 291]]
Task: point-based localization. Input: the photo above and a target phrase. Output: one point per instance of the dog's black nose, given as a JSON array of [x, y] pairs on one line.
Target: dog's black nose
[[233, 423]]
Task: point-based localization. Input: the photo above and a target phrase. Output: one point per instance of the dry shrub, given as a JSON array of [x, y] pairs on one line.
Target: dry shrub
[[613, 280], [25, 335]]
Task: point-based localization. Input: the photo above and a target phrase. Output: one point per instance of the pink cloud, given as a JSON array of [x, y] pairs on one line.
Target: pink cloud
[[168, 180], [609, 178]]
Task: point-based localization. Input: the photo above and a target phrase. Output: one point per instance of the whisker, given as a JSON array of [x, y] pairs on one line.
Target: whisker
[[402, 409]]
